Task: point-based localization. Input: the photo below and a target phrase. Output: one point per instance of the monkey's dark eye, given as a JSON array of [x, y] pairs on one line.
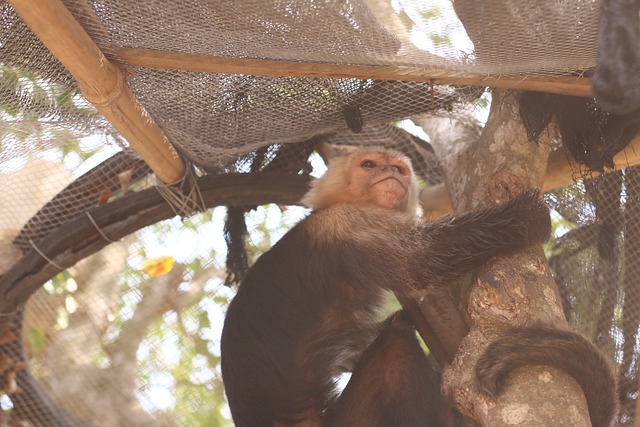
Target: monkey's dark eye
[[368, 164]]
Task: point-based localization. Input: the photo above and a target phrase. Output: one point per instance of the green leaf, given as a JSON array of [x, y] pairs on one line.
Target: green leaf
[[431, 13], [36, 339]]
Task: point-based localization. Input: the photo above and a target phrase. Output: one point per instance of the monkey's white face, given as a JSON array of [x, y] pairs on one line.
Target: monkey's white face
[[380, 179]]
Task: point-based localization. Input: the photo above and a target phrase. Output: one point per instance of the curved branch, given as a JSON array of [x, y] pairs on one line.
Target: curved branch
[[84, 191], [79, 238]]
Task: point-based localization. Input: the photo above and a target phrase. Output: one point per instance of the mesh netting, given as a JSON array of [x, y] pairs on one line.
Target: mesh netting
[[509, 37], [111, 341], [235, 113], [595, 264]]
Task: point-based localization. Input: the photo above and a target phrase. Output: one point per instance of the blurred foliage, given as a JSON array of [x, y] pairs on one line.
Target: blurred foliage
[[178, 377]]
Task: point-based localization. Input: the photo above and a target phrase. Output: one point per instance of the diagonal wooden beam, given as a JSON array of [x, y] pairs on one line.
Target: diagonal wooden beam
[[561, 171], [564, 85], [102, 83]]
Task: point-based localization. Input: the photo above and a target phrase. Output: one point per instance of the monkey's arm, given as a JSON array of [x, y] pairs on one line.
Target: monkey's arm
[[460, 245], [378, 249]]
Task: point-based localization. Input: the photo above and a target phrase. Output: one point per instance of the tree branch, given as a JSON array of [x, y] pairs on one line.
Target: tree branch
[[79, 238], [509, 291]]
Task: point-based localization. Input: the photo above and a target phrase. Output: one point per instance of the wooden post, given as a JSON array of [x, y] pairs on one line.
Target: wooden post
[[102, 83]]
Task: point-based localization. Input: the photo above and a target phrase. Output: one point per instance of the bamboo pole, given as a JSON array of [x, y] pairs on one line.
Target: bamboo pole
[[563, 85], [102, 83], [560, 172]]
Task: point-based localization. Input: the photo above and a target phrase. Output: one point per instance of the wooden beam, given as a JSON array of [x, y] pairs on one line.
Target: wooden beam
[[101, 82], [564, 85]]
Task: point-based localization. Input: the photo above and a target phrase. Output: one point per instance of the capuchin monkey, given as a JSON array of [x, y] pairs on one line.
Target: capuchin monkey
[[393, 384], [307, 310]]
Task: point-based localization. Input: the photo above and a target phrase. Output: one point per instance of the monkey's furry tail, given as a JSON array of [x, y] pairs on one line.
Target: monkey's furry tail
[[562, 349]]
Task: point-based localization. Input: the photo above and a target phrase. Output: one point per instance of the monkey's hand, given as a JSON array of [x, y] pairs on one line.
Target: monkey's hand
[[534, 214]]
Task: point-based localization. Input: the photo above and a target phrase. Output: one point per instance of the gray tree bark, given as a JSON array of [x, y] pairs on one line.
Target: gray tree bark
[[509, 291]]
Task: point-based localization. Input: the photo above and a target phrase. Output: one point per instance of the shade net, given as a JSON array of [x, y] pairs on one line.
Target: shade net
[[129, 336]]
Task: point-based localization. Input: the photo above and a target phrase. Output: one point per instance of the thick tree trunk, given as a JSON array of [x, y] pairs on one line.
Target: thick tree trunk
[[509, 291]]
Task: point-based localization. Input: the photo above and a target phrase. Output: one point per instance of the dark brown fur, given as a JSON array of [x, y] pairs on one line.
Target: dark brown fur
[[306, 310], [393, 384], [566, 350]]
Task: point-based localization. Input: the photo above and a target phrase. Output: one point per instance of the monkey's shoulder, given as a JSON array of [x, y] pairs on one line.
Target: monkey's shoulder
[[291, 260]]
